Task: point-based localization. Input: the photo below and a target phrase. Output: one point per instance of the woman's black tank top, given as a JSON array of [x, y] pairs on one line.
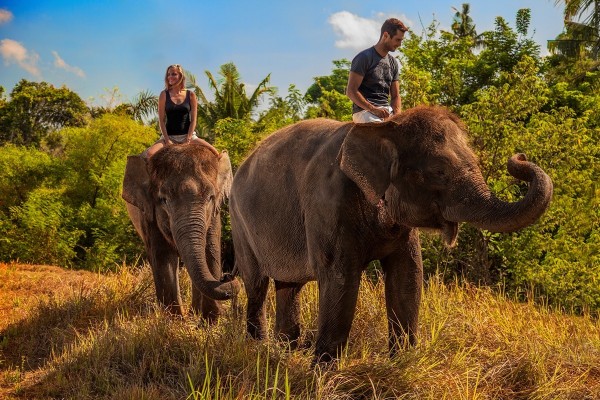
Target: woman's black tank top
[[178, 115]]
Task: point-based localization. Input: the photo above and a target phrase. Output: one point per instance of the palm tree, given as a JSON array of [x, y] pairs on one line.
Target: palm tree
[[463, 26], [230, 98], [581, 36], [144, 105]]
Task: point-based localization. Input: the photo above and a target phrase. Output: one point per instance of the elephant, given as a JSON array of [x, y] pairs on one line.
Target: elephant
[[173, 200], [320, 199]]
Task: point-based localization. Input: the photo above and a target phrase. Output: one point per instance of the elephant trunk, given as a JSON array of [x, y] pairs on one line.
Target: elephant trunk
[[485, 211], [190, 236]]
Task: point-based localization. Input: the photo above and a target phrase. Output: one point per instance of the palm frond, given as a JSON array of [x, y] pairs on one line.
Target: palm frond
[[145, 104]]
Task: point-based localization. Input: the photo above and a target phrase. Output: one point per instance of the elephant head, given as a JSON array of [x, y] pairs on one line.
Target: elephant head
[[177, 195], [419, 165]]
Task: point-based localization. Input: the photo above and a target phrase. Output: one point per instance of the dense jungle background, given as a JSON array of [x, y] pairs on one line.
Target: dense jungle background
[[62, 164]]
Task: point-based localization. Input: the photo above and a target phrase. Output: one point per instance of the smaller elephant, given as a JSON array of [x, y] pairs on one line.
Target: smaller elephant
[[173, 200]]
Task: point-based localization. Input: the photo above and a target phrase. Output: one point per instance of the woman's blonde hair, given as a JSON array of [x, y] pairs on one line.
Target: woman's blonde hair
[[181, 82]]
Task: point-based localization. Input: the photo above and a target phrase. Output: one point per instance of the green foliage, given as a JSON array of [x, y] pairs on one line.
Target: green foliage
[[337, 80], [231, 99], [445, 69], [62, 205], [437, 71], [35, 230], [36, 109], [581, 37], [282, 111], [558, 256], [66, 209], [21, 171], [332, 104], [327, 96], [95, 158], [238, 137]]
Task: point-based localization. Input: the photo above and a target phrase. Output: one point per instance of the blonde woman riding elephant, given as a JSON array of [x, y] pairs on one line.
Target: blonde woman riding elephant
[[173, 200], [320, 199]]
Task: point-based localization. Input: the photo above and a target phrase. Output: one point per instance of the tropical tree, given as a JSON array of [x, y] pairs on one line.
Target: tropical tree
[[230, 97], [142, 107], [582, 30], [463, 26], [327, 95], [36, 109], [282, 111], [66, 208]]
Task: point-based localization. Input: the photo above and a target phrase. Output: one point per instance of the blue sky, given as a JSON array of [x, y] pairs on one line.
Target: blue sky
[[95, 46]]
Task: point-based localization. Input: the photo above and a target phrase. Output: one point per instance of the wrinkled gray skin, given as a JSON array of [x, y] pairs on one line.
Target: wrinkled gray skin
[[320, 199], [173, 200]]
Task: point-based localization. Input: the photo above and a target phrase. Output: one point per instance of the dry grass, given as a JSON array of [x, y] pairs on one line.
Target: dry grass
[[84, 336]]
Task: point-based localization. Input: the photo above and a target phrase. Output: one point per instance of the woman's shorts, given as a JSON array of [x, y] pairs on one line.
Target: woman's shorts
[[179, 138]]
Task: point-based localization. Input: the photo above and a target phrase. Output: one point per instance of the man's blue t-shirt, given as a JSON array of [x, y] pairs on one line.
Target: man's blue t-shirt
[[378, 74]]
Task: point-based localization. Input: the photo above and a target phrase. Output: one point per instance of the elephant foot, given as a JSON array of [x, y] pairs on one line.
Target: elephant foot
[[175, 310], [256, 332], [290, 344], [324, 362], [209, 319]]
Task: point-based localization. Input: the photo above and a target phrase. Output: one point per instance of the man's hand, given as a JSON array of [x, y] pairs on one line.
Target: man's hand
[[381, 112]]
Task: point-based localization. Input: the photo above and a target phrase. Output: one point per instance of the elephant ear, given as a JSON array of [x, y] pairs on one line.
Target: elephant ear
[[136, 186], [224, 177], [369, 159]]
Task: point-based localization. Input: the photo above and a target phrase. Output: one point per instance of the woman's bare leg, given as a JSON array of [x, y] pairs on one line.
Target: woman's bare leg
[[210, 146], [150, 151]]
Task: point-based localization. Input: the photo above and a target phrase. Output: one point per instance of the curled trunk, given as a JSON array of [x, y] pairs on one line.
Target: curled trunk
[[191, 242], [483, 210]]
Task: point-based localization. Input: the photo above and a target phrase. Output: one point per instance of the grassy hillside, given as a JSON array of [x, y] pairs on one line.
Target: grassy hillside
[[67, 334]]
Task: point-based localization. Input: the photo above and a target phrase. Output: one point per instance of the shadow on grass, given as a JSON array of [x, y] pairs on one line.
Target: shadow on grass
[[53, 324]]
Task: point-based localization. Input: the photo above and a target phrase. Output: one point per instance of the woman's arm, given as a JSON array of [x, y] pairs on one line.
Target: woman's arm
[[162, 99], [193, 115]]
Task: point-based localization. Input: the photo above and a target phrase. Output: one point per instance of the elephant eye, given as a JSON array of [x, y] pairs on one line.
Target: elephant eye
[[162, 200]]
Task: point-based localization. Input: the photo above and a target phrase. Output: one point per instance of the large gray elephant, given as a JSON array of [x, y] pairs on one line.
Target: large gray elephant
[[320, 199], [173, 200]]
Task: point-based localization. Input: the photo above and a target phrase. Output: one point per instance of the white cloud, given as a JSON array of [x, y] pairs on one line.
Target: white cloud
[[60, 63], [358, 32], [5, 16], [355, 32], [14, 52]]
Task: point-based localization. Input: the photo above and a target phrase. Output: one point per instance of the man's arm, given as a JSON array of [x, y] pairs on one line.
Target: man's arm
[[354, 81], [395, 100]]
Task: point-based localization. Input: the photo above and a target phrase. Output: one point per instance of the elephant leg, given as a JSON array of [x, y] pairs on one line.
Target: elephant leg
[[287, 313], [209, 309], [403, 284], [165, 269], [338, 292], [256, 290]]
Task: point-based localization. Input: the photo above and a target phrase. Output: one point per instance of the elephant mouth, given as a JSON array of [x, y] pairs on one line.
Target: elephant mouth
[[450, 233], [449, 229]]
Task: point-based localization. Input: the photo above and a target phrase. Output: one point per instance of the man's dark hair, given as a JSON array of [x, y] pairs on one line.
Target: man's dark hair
[[392, 26]]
